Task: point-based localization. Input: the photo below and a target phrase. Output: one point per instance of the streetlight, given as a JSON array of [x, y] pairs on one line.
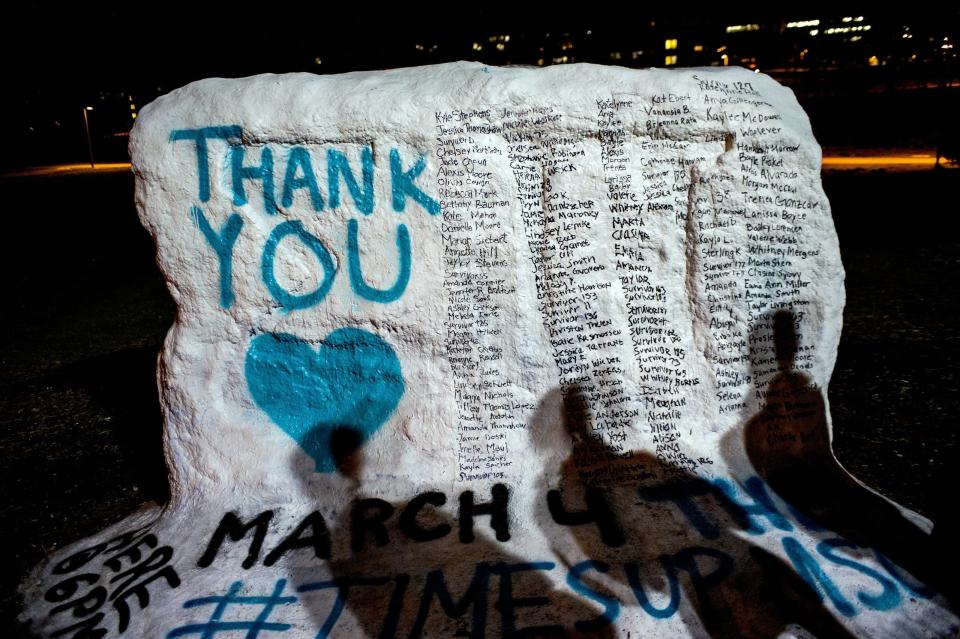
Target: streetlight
[[86, 126]]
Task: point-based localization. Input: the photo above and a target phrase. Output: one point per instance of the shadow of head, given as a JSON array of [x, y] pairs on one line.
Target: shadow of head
[[785, 338], [346, 445], [343, 444]]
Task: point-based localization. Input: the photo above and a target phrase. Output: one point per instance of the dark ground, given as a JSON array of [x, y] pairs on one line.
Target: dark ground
[[86, 311]]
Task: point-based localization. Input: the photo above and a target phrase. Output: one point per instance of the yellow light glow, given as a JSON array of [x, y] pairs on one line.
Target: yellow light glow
[[670, 43], [916, 160], [737, 28], [800, 24], [670, 60], [873, 61], [71, 168], [698, 48]]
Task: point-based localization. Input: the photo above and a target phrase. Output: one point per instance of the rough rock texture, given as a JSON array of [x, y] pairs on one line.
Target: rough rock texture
[[467, 350]]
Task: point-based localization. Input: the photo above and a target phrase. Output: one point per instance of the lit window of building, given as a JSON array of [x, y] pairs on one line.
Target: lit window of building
[[835, 30], [670, 60], [670, 44]]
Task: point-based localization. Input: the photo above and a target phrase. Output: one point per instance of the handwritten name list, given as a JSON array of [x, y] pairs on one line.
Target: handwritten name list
[[657, 207]]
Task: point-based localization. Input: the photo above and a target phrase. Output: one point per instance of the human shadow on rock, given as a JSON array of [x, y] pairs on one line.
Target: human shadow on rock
[[661, 538], [788, 444], [411, 569]]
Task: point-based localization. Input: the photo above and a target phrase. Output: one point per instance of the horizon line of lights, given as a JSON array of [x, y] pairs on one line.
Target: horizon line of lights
[[833, 30]]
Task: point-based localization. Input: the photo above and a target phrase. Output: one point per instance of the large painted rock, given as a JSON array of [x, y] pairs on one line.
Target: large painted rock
[[469, 351]]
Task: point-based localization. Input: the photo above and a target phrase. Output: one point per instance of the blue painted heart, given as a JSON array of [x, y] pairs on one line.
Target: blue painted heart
[[343, 392]]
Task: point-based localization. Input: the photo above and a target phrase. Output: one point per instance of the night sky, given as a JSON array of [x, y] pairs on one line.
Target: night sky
[[60, 59]]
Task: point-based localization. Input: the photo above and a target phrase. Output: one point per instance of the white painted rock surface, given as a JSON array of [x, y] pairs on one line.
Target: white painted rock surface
[[463, 351]]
